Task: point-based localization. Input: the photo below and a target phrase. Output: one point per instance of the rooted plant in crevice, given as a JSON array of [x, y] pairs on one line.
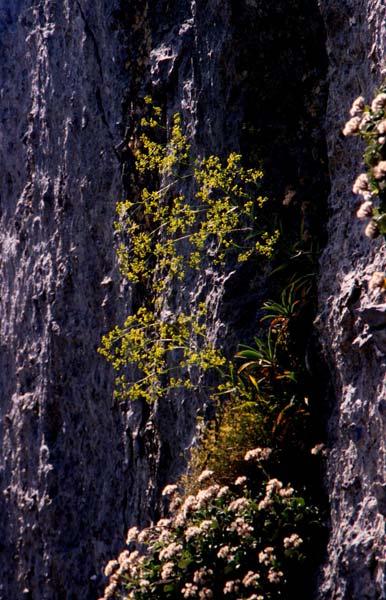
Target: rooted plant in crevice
[[369, 123], [165, 237], [257, 531]]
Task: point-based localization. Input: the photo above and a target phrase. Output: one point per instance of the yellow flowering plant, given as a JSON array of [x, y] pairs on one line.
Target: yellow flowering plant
[[186, 210]]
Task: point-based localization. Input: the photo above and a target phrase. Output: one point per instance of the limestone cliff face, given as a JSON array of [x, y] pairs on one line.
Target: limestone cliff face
[[351, 331], [63, 458], [75, 469]]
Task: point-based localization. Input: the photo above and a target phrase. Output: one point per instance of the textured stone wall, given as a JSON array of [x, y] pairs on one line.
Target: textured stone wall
[[76, 469], [356, 466], [63, 458]]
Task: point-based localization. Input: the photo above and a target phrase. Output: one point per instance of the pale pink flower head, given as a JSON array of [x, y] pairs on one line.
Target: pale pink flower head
[[251, 579], [172, 550], [223, 492], [205, 496], [273, 486], [132, 535], [241, 527], [258, 454], [318, 449], [192, 532], [143, 536], [357, 107], [189, 590], [167, 570], [293, 541], [123, 558], [110, 591], [241, 480], [169, 490], [224, 552], [378, 103], [372, 230], [111, 566], [379, 171], [275, 576], [352, 126], [206, 525], [266, 556], [362, 184], [365, 211], [286, 492], [265, 503], [381, 127], [189, 505], [231, 587], [205, 475], [238, 505]]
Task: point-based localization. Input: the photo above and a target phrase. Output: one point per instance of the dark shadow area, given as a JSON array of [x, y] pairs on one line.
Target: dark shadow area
[[281, 67]]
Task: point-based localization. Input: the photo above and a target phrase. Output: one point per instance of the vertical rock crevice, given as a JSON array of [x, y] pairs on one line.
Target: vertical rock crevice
[[76, 470], [219, 66], [92, 468]]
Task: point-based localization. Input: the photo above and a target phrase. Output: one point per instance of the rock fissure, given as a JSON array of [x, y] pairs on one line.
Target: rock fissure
[[76, 470]]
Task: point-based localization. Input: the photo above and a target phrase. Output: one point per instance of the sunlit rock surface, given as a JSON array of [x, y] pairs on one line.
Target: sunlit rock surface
[[76, 469]]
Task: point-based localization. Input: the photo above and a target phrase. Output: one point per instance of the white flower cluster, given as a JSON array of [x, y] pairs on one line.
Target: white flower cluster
[[205, 475], [267, 556], [319, 449], [167, 570], [213, 515], [169, 490], [172, 550], [225, 553], [370, 123], [251, 579], [239, 505], [241, 527], [274, 486], [231, 587], [275, 576], [258, 454], [293, 541]]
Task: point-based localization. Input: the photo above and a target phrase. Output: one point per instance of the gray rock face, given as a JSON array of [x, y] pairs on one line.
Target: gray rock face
[[75, 469], [349, 317], [62, 83]]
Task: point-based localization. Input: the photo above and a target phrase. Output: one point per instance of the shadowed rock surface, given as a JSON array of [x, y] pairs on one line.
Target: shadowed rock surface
[[76, 469]]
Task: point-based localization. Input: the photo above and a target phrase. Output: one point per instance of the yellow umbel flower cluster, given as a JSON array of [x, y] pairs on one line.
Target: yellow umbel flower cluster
[[187, 211]]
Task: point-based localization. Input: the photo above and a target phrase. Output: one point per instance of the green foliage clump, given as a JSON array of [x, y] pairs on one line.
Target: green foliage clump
[[166, 235], [369, 123], [262, 401]]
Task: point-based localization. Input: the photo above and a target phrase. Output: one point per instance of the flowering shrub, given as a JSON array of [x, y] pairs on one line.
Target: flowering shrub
[[242, 541], [369, 123], [237, 531], [235, 527], [165, 236]]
